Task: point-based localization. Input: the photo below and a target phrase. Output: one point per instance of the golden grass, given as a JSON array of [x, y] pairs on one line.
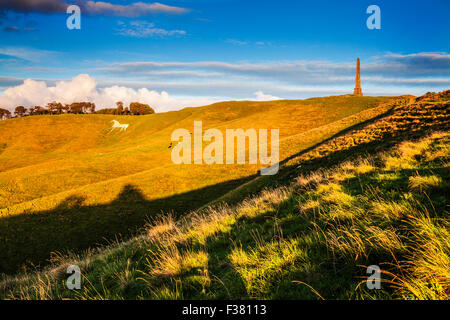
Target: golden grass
[[85, 168], [422, 183], [171, 262], [37, 163], [262, 247], [178, 259]]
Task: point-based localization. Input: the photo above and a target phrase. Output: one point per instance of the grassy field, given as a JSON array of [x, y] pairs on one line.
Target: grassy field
[[375, 193], [67, 183]]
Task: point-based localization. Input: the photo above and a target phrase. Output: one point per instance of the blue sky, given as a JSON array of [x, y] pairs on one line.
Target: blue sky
[[189, 52]]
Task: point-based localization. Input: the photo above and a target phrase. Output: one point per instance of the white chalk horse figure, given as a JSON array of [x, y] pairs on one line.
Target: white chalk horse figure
[[117, 124]]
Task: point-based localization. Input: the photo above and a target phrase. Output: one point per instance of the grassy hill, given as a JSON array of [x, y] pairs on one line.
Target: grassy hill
[[372, 193], [67, 183]]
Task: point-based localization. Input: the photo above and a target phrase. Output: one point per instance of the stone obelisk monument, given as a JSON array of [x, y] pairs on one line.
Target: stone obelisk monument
[[357, 91]]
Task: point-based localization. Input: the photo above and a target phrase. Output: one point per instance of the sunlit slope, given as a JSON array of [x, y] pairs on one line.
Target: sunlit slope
[[58, 194], [45, 155], [373, 194]]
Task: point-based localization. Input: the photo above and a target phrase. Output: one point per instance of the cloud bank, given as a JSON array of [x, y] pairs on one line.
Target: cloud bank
[[136, 9], [393, 65], [84, 88], [390, 74], [27, 6], [133, 10], [150, 81]]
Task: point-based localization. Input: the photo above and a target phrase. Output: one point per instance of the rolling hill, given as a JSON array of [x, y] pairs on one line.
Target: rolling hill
[[67, 183], [373, 193]]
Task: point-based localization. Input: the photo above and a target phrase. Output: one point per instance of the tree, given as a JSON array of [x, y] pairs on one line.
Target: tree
[[76, 107], [59, 108], [91, 107], [54, 107], [41, 110], [4, 114], [137, 108], [107, 111], [20, 111], [36, 110], [82, 107], [119, 107], [33, 110]]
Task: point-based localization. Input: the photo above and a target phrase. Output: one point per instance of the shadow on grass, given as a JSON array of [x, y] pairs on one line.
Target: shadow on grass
[[340, 134], [270, 272], [430, 194], [27, 240]]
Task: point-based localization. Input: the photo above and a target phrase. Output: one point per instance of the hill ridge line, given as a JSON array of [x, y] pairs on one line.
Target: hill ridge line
[[101, 182]]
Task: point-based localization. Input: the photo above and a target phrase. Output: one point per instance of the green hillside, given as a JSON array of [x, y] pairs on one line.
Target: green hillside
[[68, 183], [372, 193]]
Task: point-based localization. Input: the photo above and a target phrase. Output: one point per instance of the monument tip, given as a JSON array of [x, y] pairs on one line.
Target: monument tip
[[358, 91]]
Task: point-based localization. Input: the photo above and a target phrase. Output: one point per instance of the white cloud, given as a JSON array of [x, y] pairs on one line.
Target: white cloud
[[84, 88], [261, 96], [26, 53], [135, 9], [160, 101], [237, 42], [143, 29]]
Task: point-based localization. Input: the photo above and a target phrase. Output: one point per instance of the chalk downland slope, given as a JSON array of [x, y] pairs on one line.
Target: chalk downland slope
[[374, 195], [68, 183]]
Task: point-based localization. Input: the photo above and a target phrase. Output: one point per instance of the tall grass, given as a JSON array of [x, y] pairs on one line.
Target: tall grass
[[308, 240], [67, 183]]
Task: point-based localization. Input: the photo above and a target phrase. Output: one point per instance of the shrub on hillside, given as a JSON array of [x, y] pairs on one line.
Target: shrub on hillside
[[107, 111], [4, 114], [137, 108]]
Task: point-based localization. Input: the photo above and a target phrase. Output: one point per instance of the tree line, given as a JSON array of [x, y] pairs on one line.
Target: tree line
[[54, 107], [135, 108], [51, 108]]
